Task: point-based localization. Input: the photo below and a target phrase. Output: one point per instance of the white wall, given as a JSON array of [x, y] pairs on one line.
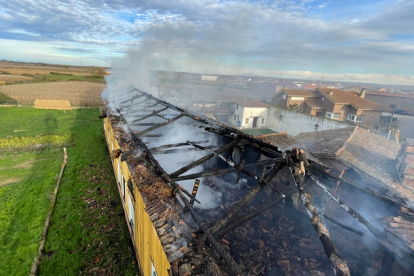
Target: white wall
[[250, 113], [282, 120], [242, 113]]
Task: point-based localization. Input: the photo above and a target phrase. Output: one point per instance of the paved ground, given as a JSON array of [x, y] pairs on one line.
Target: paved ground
[[406, 126]]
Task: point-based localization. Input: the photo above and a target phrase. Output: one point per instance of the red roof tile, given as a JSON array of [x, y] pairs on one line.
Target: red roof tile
[[348, 97], [298, 92]]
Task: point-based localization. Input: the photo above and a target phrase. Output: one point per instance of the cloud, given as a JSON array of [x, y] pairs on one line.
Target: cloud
[[319, 36]]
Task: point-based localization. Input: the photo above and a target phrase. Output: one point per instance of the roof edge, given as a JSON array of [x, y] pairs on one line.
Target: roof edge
[[341, 149]]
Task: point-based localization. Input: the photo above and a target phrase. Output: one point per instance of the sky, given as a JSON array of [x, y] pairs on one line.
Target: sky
[[343, 40]]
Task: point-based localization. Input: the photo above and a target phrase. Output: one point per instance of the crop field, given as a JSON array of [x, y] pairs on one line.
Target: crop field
[[78, 93], [20, 68], [4, 78], [81, 238]]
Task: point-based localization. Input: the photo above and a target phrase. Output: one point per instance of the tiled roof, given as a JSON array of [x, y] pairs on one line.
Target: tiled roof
[[314, 103], [285, 142], [388, 94], [299, 92], [348, 97], [359, 148]]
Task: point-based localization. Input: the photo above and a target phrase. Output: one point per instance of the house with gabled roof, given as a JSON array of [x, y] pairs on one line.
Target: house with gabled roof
[[287, 97], [346, 106]]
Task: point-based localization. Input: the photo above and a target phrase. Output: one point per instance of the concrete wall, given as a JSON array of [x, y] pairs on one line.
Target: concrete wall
[[294, 123]]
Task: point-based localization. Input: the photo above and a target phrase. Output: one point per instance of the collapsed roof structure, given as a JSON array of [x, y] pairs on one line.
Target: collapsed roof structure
[[231, 226]]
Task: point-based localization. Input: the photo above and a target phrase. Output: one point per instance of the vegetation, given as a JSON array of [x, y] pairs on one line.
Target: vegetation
[[86, 233]]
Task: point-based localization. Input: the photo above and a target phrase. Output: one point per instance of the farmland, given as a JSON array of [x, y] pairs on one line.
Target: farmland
[[78, 93], [21, 68], [80, 237]]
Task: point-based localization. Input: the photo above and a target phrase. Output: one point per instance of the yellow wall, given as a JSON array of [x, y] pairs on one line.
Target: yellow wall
[[145, 239]]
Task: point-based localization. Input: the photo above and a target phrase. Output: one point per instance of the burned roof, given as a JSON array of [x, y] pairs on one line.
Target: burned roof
[[347, 97], [254, 179], [364, 151]]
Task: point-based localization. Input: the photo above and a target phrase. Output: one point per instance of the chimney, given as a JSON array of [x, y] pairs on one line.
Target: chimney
[[362, 93], [404, 163], [331, 92]]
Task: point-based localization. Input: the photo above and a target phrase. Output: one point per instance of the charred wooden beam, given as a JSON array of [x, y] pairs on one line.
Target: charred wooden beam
[[231, 163], [251, 214], [152, 135], [177, 145], [161, 125], [149, 115], [352, 212], [395, 246], [203, 159], [338, 264], [239, 172], [170, 151], [359, 233], [224, 171], [143, 124], [220, 129], [230, 216], [133, 98], [381, 194], [235, 270], [194, 193], [334, 192]]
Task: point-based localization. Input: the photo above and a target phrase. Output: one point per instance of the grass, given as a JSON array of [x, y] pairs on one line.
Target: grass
[[69, 77], [23, 207], [86, 233], [30, 122]]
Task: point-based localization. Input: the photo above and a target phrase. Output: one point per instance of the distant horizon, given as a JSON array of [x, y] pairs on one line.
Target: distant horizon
[[276, 75]]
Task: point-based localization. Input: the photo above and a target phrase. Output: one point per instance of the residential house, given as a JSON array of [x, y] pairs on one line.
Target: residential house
[[287, 97], [242, 112], [334, 104], [248, 113]]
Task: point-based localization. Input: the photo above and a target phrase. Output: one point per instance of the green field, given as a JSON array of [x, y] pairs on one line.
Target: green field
[[86, 233]]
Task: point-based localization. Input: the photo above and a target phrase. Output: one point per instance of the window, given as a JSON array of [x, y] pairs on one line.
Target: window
[[131, 214], [237, 106], [247, 120], [284, 96], [234, 118], [119, 171], [323, 98], [238, 118], [262, 120], [331, 115], [355, 118], [297, 98]]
